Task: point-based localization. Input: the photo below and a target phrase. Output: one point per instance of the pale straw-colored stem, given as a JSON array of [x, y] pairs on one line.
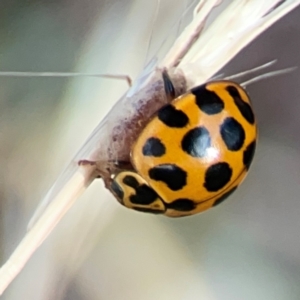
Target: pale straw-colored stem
[[74, 187]]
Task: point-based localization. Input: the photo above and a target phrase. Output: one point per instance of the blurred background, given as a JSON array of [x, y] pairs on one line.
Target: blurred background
[[247, 248]]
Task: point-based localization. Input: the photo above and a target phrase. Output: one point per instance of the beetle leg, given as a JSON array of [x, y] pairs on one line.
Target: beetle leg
[[168, 85]]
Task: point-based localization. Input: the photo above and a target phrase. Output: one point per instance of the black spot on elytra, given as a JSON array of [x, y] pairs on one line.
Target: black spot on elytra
[[217, 176], [233, 134], [117, 190], [208, 101], [154, 147], [173, 176], [181, 204], [224, 196], [144, 195], [196, 141], [172, 117], [249, 154], [148, 210], [243, 106], [131, 181]]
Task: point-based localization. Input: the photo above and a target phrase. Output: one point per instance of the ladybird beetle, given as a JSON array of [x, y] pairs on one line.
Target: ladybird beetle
[[192, 154]]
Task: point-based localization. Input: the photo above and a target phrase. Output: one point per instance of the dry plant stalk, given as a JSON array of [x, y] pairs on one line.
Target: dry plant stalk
[[194, 58]]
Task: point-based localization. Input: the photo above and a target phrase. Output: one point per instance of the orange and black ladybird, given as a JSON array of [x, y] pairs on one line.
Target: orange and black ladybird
[[192, 154]]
